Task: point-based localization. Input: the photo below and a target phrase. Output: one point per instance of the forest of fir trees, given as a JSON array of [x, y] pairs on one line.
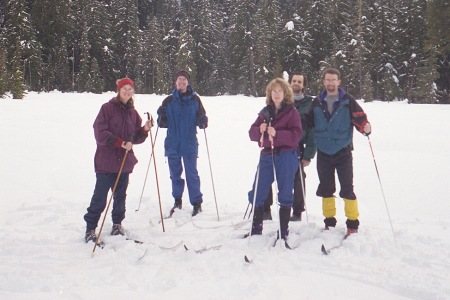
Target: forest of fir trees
[[386, 50]]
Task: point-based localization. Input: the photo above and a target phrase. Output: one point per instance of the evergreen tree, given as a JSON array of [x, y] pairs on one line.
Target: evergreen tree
[[98, 18], [126, 37], [17, 86], [221, 78], [267, 45], [438, 46], [50, 17], [19, 27], [381, 42], [184, 57], [60, 67], [242, 48], [205, 25], [153, 59], [320, 32], [296, 50], [85, 59], [424, 88], [3, 73], [412, 33], [170, 21], [95, 83], [347, 41]]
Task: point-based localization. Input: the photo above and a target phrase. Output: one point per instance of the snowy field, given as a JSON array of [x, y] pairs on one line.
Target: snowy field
[[47, 179]]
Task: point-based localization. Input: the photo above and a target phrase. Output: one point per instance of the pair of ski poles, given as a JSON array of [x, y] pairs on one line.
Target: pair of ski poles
[[117, 180], [148, 167], [303, 187], [257, 180]]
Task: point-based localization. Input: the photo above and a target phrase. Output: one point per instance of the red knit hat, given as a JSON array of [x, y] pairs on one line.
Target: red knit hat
[[123, 81]]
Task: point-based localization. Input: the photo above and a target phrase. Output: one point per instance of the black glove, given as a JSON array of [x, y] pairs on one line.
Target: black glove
[[203, 122], [162, 117], [161, 111]]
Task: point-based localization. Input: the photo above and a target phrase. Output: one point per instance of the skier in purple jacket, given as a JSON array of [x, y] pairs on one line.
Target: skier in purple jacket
[[117, 128], [278, 130]]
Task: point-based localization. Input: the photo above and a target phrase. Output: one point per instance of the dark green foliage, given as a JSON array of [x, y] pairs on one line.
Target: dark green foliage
[[385, 49], [95, 82], [17, 86], [3, 73]]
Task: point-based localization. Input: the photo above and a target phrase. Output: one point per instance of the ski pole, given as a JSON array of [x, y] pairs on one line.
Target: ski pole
[[275, 182], [210, 171], [146, 174], [381, 186], [261, 145], [300, 167], [149, 116], [251, 209], [248, 205], [109, 202], [250, 216]]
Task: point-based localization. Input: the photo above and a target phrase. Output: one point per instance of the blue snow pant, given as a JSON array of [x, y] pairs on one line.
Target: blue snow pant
[[105, 182], [192, 178], [286, 165]]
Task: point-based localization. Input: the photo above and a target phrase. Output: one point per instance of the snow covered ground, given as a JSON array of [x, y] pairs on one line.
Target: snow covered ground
[[47, 179]]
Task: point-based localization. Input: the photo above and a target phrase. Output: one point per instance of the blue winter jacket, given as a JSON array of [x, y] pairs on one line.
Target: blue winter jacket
[[333, 132], [181, 114]]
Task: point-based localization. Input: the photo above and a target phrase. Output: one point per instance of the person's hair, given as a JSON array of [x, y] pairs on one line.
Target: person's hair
[[332, 71], [305, 79], [287, 90]]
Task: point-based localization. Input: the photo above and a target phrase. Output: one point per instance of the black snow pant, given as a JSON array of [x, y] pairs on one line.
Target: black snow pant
[[342, 164]]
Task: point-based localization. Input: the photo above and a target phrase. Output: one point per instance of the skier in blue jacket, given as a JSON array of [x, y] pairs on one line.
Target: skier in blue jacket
[[181, 113]]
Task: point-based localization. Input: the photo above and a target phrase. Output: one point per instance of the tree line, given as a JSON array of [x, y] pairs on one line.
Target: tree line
[[385, 49]]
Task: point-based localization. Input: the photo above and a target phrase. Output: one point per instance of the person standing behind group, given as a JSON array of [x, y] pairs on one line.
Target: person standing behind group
[[181, 113], [278, 128], [333, 115], [117, 128], [306, 147]]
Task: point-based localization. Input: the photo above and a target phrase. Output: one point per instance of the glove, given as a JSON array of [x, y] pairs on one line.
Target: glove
[[161, 111], [162, 117], [367, 129], [203, 121]]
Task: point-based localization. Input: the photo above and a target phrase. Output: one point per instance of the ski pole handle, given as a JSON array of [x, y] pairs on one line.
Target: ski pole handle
[[270, 137], [261, 140], [150, 117]]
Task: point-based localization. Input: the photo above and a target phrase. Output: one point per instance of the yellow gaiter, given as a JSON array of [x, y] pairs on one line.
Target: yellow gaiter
[[351, 209], [328, 207]]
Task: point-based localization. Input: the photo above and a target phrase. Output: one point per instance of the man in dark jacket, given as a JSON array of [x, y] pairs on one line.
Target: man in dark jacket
[[181, 113], [306, 147], [333, 115]]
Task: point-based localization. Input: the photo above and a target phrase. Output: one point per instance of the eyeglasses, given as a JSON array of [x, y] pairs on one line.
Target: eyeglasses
[[331, 80], [129, 90]]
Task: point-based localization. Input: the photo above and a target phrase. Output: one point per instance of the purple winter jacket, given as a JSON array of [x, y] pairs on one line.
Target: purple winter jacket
[[115, 123], [286, 123]]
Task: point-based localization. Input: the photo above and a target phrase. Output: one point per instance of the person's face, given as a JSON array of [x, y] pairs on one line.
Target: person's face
[[331, 83], [297, 83], [277, 94], [126, 92], [181, 83]]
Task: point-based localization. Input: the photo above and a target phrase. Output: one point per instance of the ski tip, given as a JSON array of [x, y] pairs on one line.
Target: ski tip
[[247, 259], [185, 247], [287, 245], [324, 250]]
